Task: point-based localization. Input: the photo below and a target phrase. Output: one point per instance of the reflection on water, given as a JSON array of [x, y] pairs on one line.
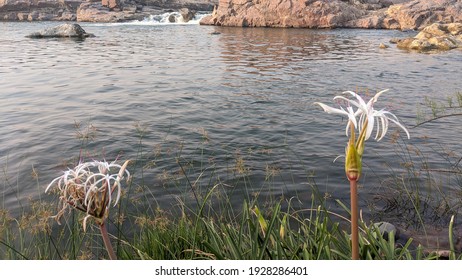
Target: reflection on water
[[286, 45], [235, 107]]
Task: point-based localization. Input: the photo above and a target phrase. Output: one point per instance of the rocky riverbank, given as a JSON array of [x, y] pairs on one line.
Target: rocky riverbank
[[389, 14], [95, 10]]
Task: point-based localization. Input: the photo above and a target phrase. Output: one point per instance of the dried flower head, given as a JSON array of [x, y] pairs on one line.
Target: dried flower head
[[90, 187]]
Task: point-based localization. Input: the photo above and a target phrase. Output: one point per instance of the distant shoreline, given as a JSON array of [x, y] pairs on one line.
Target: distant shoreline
[[86, 11]]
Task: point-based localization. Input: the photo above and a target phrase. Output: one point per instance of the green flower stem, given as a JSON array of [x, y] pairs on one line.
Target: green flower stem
[[107, 242], [354, 220]]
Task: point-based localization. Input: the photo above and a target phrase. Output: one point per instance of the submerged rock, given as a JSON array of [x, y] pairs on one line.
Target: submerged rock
[[386, 228], [435, 37], [66, 30], [383, 46]]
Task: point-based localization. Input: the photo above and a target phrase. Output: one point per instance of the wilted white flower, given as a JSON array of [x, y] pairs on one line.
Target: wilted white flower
[[90, 187]]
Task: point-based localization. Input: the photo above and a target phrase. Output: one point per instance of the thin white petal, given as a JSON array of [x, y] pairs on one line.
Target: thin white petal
[[331, 110], [352, 117], [370, 126], [52, 183], [377, 95], [395, 120], [85, 222]]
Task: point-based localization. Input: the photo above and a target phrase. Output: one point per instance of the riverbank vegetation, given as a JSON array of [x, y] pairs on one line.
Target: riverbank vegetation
[[207, 220]]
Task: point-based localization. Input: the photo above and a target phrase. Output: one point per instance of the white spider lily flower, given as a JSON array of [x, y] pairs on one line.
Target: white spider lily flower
[[89, 187], [368, 118], [368, 115]]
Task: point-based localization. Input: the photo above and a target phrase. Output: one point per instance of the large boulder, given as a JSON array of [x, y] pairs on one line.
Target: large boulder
[[282, 13], [389, 14], [66, 30], [435, 37]]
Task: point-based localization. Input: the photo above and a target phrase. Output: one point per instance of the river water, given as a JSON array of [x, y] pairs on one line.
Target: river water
[[228, 105]]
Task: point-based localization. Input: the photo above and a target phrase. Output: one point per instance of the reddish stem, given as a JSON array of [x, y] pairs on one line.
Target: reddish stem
[[354, 220], [107, 242]]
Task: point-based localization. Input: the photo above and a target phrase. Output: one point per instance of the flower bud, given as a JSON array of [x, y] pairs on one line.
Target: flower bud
[[352, 164], [352, 159]]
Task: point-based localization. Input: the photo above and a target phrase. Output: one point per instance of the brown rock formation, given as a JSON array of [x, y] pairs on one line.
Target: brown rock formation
[[415, 15], [27, 10], [418, 14], [283, 13], [94, 10], [89, 12], [390, 14]]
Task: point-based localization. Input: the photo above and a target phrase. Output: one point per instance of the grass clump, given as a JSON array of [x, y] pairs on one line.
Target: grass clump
[[256, 232], [254, 235]]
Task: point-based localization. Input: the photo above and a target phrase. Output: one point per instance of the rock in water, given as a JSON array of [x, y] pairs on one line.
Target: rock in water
[[386, 228], [383, 46], [66, 30], [172, 18], [187, 14], [435, 37]]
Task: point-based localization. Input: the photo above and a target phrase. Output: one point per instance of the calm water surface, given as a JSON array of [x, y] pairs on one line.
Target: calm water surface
[[159, 92]]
